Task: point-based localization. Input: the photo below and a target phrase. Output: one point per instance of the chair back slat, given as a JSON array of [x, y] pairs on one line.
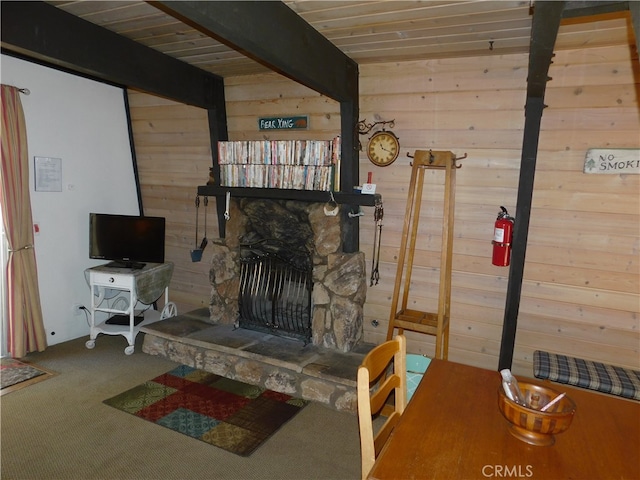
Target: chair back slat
[[381, 379], [380, 396], [385, 432]]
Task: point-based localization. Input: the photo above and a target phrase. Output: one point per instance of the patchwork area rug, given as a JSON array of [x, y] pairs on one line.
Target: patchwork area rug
[[15, 375], [222, 412]]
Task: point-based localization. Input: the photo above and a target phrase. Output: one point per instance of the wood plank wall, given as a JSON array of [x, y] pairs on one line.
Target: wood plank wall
[[581, 293], [174, 156]]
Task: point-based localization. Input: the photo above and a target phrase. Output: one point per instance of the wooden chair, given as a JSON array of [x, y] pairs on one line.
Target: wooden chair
[[374, 371]]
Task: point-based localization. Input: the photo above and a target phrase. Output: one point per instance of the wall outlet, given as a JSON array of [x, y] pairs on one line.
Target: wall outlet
[[77, 309]]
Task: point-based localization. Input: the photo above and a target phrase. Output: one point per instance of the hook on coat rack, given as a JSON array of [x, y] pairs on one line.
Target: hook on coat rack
[[459, 158], [432, 158]]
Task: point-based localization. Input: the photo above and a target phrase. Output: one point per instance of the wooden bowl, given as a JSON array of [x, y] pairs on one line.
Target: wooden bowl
[[530, 424]]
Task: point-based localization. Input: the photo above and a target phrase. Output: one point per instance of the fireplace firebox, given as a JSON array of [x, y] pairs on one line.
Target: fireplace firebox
[[275, 289]]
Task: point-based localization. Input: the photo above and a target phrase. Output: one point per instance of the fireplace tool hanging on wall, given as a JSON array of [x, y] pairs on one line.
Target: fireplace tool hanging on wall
[[196, 253], [377, 234]]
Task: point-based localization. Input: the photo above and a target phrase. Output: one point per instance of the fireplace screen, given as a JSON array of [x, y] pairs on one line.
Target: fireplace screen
[[275, 291]]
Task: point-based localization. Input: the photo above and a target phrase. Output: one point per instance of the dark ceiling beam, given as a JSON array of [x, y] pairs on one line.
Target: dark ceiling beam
[[275, 36], [586, 8], [52, 36]]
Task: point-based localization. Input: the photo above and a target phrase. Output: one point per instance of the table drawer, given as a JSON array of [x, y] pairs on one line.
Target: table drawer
[[112, 280]]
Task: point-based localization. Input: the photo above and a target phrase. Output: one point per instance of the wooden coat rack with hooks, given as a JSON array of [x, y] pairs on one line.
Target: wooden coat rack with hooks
[[402, 317]]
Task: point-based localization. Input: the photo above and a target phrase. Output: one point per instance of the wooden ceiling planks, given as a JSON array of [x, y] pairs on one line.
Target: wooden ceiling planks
[[366, 31], [374, 31]]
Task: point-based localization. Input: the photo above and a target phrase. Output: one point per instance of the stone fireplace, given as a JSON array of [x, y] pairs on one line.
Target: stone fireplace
[[339, 279]]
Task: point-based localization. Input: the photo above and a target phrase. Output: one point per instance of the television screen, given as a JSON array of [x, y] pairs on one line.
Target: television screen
[[127, 240]]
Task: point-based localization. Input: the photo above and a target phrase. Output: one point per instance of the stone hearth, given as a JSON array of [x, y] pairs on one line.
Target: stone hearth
[[340, 286], [312, 372]]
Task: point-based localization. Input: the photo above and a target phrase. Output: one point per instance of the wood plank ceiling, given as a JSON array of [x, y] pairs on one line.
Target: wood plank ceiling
[[366, 31]]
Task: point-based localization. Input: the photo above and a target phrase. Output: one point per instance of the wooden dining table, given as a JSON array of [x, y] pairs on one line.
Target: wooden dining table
[[452, 428]]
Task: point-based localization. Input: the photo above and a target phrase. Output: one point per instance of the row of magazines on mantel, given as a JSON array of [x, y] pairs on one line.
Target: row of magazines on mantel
[[285, 164]]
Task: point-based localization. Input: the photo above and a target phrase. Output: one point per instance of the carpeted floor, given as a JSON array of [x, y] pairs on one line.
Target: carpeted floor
[[15, 375], [61, 429], [222, 412]]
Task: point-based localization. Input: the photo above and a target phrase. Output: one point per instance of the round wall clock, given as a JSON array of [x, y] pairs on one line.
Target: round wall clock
[[383, 148]]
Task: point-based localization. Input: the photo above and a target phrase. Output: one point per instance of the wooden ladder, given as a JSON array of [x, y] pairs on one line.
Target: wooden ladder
[[404, 318]]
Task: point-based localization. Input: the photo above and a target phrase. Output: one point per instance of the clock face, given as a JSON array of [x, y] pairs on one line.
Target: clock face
[[383, 148]]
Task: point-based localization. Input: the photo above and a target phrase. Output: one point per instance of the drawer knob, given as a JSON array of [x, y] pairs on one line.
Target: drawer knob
[[111, 280]]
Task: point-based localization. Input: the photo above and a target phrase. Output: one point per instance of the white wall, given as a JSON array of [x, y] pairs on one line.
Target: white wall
[[82, 122]]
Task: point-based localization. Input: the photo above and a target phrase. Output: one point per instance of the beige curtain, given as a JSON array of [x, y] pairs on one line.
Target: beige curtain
[[25, 326]]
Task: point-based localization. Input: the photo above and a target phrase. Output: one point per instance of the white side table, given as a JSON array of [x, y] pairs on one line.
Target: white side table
[[143, 286]]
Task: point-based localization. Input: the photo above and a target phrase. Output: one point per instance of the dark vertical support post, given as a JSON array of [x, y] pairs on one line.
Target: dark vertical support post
[[544, 30], [634, 8], [533, 112], [350, 168], [220, 209], [132, 146], [218, 132], [215, 136]]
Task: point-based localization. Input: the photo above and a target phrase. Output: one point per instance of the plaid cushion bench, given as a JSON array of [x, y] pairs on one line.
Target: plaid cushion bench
[[623, 382]]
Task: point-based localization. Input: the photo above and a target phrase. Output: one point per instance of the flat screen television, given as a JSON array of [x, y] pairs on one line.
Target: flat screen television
[[128, 241]]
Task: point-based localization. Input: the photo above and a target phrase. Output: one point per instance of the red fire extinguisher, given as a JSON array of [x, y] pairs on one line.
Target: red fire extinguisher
[[502, 238]]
